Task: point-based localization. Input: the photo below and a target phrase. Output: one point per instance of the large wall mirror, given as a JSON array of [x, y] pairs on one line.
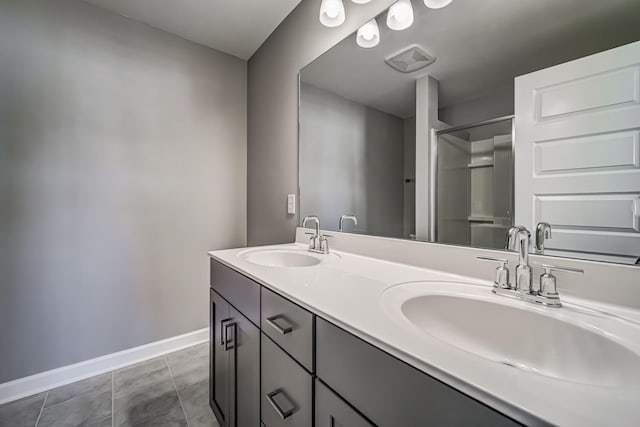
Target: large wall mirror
[[479, 116]]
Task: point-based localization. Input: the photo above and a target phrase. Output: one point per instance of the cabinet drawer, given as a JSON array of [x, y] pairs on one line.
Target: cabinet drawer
[[332, 411], [242, 292], [388, 391], [286, 389], [288, 325]]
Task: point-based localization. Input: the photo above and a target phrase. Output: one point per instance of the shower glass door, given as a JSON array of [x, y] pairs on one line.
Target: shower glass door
[[474, 184]]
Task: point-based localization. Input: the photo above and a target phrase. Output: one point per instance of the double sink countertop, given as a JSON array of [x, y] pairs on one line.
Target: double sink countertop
[[347, 290]]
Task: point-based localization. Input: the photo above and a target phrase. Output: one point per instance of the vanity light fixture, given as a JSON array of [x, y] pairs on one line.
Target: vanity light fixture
[[331, 13], [437, 4], [400, 15], [368, 35], [360, 1]]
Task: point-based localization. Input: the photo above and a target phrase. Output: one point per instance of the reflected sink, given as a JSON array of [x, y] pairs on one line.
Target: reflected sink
[[559, 343], [284, 258]]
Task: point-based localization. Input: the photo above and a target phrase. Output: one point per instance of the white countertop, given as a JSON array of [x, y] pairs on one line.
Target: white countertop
[[346, 289]]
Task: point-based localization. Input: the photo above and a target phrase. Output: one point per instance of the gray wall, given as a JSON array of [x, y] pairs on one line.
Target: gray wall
[[351, 162], [122, 161], [498, 103], [273, 113]]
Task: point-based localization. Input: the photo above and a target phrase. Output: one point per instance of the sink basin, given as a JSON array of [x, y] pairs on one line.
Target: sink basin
[[560, 343], [283, 258]]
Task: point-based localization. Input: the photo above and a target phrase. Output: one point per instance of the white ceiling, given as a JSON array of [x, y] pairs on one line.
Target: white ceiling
[[480, 46], [237, 27]]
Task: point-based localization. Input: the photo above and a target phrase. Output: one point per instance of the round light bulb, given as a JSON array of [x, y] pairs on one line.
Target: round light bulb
[[400, 15], [437, 4], [331, 13], [368, 35]]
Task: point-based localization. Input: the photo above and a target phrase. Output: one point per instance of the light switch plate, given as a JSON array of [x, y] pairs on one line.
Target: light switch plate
[[291, 204]]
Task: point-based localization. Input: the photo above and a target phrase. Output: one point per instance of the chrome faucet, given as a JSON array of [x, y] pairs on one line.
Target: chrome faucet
[[543, 232], [546, 292], [518, 240], [317, 243], [345, 217]]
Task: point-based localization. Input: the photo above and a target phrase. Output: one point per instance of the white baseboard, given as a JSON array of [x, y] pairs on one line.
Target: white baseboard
[[48, 380]]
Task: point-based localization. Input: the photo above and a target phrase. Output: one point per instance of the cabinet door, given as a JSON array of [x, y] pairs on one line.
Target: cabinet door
[[244, 337], [391, 393], [219, 378], [332, 411], [287, 389]]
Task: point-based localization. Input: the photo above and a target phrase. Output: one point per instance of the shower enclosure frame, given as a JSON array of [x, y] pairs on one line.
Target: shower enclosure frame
[[433, 166]]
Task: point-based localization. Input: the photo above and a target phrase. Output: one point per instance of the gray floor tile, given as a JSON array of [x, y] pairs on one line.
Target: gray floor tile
[[189, 370], [83, 410], [140, 376], [100, 383], [206, 420], [23, 412], [200, 351], [145, 404], [102, 423], [173, 418], [195, 399]]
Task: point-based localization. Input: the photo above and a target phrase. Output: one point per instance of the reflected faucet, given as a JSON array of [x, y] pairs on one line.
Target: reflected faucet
[[518, 240], [543, 232], [345, 217]]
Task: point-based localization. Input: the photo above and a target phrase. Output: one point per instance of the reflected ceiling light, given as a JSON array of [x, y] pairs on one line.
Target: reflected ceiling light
[[368, 35], [331, 13], [437, 4], [361, 1], [400, 15]]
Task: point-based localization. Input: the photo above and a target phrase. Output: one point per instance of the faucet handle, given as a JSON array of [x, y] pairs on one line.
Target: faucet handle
[[548, 285], [504, 261], [548, 269], [502, 272]]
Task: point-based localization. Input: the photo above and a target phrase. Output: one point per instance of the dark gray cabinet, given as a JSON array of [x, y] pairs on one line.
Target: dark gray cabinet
[[388, 391], [332, 411], [287, 389], [266, 352], [242, 292], [235, 365], [219, 369], [246, 368], [289, 325]]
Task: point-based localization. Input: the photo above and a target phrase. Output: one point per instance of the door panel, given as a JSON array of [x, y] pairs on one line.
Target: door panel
[[577, 151], [245, 377], [219, 359], [287, 389]]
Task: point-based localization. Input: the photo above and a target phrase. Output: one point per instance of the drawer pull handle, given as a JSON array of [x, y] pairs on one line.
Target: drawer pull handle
[[284, 330], [273, 399]]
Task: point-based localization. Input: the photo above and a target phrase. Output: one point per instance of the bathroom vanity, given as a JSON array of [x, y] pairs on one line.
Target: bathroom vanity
[[302, 339]]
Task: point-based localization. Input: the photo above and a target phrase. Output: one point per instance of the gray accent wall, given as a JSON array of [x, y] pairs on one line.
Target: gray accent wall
[[273, 113], [354, 166], [122, 161]]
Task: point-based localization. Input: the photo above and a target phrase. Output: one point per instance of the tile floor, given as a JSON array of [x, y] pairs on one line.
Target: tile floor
[[168, 391]]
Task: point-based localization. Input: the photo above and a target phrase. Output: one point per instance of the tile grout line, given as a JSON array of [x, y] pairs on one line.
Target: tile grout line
[[42, 408], [176, 389]]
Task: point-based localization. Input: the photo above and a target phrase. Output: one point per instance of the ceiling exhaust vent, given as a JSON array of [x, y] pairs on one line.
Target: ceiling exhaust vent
[[411, 59]]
